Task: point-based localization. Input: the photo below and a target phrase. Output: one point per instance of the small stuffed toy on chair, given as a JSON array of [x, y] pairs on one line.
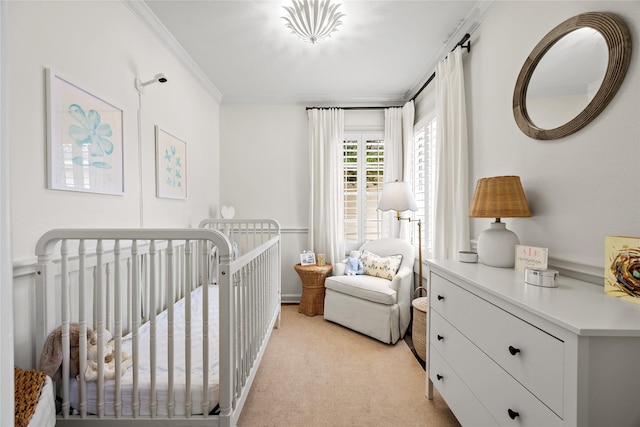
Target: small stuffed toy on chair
[[354, 264]]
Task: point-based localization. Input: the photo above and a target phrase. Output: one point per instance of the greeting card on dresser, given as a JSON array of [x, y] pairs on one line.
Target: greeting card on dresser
[[531, 257]]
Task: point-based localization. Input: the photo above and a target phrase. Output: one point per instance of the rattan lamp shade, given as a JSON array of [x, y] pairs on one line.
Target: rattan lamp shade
[[499, 197]]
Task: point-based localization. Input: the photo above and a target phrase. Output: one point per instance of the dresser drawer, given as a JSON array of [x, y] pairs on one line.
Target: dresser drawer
[[533, 357], [499, 392], [465, 406]]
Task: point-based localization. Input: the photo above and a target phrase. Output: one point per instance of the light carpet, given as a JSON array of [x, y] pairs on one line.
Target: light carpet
[[317, 373]]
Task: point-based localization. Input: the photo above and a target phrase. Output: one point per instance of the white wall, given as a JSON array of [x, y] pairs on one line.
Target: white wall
[[102, 47], [265, 171], [264, 174], [582, 187]]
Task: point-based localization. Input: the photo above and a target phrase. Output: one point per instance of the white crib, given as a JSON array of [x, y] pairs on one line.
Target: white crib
[[163, 301]]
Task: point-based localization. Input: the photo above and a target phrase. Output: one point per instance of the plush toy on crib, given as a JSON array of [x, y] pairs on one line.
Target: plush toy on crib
[[354, 264]]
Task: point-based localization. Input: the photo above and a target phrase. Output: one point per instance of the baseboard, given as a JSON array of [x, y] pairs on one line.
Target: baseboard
[[290, 298]]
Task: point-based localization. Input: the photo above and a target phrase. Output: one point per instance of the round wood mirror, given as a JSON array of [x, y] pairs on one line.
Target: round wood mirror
[[571, 75]]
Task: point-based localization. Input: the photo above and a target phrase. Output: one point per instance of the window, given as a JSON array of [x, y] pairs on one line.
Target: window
[[423, 180], [363, 154]]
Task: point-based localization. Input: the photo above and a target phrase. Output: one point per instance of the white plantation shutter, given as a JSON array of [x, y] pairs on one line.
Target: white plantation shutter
[[422, 177], [363, 154]]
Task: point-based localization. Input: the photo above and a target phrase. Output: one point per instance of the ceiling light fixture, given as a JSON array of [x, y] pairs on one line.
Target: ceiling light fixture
[[313, 20]]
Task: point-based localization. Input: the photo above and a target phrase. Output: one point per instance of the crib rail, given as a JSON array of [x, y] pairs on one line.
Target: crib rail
[[116, 281], [245, 234]]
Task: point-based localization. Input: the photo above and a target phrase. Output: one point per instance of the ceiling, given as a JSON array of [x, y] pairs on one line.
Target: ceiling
[[382, 54]]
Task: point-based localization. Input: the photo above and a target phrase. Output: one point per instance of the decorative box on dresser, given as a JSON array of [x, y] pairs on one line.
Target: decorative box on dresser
[[502, 352]]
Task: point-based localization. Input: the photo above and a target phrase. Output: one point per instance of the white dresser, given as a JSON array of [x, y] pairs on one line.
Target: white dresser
[[502, 352]]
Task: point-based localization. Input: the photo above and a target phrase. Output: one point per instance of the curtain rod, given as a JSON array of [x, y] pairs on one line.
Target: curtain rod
[[356, 108], [461, 43]]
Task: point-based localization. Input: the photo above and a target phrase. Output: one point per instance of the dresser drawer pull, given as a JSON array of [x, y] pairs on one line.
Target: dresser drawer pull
[[439, 377], [513, 350], [513, 414], [440, 337], [440, 297]]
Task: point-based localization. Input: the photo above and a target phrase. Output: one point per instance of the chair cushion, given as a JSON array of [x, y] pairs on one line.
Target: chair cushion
[[365, 287], [384, 267]]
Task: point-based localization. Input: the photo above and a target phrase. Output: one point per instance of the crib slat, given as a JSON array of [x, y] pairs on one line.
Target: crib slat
[[153, 285], [100, 327], [205, 334], [65, 326], [117, 329], [187, 327], [135, 315], [169, 290], [107, 290], [82, 250], [129, 296]]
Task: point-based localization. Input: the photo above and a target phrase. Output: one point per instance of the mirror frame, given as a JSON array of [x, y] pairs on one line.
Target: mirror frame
[[618, 38]]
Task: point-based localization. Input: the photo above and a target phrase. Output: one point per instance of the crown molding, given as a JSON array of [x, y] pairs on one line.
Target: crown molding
[[151, 21]]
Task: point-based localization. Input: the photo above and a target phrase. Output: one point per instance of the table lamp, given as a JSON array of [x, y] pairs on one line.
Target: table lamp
[[397, 196], [498, 197]]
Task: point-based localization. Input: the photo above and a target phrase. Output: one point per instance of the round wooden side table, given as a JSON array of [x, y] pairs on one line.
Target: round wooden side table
[[312, 276]]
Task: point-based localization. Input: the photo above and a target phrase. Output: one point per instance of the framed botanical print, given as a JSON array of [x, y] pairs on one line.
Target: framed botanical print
[[84, 139], [171, 166]]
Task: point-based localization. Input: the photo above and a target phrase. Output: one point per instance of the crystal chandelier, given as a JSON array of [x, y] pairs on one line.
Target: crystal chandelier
[[313, 20]]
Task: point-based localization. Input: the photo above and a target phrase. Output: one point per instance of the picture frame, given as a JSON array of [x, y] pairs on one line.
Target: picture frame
[[307, 258], [84, 139], [171, 165], [621, 258]]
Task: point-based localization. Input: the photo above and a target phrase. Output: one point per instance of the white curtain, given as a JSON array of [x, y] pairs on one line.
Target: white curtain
[[393, 162], [326, 210], [408, 113], [398, 141], [451, 221]]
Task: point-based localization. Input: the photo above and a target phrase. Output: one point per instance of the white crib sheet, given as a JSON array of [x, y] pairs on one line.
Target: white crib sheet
[[179, 385]]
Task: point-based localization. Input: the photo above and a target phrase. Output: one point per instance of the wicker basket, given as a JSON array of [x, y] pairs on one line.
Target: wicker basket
[[27, 387], [419, 326]]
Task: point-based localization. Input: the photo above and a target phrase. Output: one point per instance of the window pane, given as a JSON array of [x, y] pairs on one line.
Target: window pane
[[363, 179], [375, 179]]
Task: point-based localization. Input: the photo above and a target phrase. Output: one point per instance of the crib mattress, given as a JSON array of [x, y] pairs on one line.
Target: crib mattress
[[162, 368]]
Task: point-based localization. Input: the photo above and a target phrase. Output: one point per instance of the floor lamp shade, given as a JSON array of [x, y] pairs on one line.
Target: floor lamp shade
[[498, 197], [397, 196]]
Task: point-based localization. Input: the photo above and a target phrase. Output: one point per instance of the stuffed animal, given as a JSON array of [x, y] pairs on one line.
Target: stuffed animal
[[51, 357], [354, 264], [91, 372]]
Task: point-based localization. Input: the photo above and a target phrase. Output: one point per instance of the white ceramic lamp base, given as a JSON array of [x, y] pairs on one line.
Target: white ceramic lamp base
[[497, 246]]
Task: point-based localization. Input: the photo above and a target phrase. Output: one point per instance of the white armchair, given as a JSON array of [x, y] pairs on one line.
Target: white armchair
[[374, 306]]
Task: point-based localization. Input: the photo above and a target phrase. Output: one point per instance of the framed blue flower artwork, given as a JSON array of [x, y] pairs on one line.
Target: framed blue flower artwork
[[84, 139], [171, 166]]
